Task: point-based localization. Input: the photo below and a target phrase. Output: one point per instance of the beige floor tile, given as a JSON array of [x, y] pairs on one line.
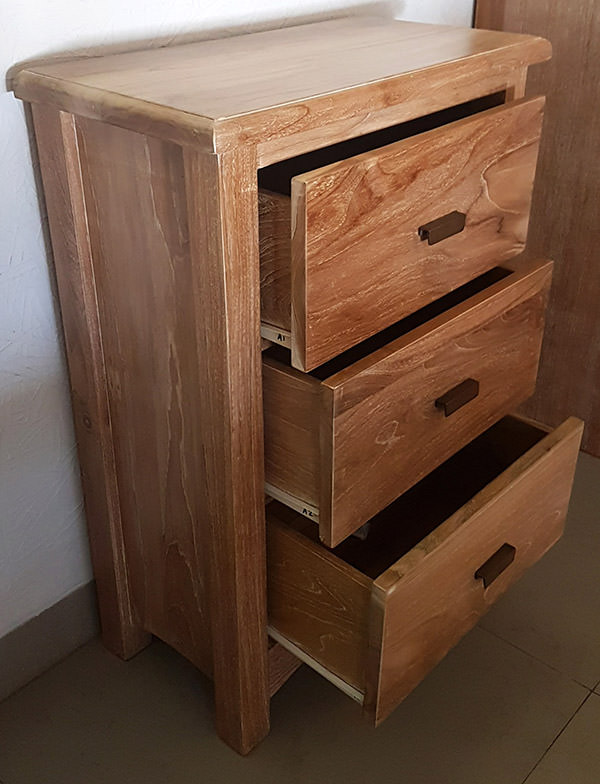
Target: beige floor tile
[[487, 713], [575, 757], [553, 612]]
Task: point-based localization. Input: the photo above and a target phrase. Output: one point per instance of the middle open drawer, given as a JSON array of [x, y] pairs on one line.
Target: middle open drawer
[[345, 440]]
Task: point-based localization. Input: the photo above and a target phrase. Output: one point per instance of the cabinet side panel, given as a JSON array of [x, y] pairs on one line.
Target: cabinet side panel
[[135, 194], [61, 174]]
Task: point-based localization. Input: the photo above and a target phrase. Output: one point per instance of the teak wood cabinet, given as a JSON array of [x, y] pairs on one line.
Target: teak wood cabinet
[[289, 276]]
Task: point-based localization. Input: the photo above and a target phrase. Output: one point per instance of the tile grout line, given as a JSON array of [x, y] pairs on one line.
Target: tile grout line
[[569, 720], [538, 659]]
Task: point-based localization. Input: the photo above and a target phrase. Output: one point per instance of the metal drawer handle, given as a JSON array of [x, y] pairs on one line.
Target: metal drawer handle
[[440, 228], [494, 566], [458, 396]]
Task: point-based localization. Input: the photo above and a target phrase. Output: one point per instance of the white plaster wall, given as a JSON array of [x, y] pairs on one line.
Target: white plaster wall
[[43, 547]]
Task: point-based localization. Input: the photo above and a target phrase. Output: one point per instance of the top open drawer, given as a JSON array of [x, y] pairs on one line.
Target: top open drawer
[[363, 241]]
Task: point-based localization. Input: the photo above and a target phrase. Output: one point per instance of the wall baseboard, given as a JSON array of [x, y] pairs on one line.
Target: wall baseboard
[[32, 648]]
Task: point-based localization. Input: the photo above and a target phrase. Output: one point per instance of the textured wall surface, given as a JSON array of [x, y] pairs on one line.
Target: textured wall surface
[[43, 549]]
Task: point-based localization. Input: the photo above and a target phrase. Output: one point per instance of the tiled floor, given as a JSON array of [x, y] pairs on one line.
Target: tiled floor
[[514, 702]]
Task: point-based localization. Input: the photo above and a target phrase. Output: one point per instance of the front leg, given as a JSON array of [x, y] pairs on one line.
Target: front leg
[[223, 220]]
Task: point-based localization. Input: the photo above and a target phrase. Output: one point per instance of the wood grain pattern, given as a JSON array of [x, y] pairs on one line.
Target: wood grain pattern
[[513, 486], [292, 453], [380, 430], [274, 227], [396, 100], [57, 143], [152, 195], [218, 94], [358, 263], [145, 300], [564, 210], [384, 412], [282, 665], [149, 301], [304, 657], [223, 228], [428, 600], [315, 600]]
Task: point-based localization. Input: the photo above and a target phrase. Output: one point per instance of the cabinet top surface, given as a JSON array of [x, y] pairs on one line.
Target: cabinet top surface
[[236, 80], [228, 77]]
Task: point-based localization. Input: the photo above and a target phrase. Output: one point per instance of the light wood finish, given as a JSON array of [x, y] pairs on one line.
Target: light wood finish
[[352, 440], [382, 627], [274, 226], [292, 414], [144, 289], [223, 217], [150, 164], [155, 312], [317, 601], [58, 149], [351, 257], [525, 507], [217, 94], [565, 206]]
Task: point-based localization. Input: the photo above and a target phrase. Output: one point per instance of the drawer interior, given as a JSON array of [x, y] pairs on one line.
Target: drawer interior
[[277, 177], [404, 523]]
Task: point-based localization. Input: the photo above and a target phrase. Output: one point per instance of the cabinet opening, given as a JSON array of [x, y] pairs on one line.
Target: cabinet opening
[[400, 328], [404, 523], [277, 177]]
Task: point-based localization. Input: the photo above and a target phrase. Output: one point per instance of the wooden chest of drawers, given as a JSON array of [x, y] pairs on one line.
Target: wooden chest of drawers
[[357, 192]]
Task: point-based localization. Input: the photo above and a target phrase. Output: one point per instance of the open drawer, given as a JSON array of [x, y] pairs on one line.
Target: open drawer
[[375, 616], [351, 247], [342, 442]]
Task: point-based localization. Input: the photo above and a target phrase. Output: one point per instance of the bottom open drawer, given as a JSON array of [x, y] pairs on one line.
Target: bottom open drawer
[[375, 615]]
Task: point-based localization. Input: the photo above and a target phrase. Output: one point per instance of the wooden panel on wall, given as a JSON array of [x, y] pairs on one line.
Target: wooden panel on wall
[[564, 221]]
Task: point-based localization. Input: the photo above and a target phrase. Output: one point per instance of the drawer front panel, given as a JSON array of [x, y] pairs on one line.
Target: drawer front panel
[[361, 228], [403, 411], [425, 603]]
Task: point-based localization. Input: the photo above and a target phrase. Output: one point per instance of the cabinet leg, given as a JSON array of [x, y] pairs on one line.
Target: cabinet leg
[[59, 157], [223, 221]]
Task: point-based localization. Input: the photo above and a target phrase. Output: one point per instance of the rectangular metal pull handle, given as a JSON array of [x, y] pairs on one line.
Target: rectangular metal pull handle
[[440, 228], [458, 396], [494, 566]]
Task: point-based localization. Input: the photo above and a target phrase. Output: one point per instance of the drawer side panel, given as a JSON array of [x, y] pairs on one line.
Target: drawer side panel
[[318, 602], [291, 415]]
